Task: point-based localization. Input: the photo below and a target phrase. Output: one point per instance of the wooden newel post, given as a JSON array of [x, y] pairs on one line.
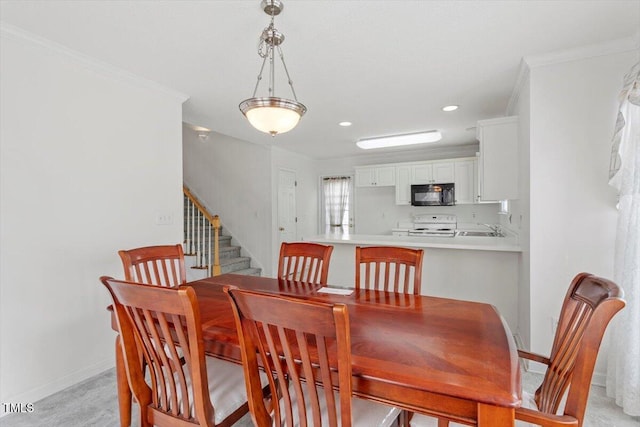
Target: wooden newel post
[[216, 249]]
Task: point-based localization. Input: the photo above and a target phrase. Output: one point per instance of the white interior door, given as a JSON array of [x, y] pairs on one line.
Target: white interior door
[[287, 220]]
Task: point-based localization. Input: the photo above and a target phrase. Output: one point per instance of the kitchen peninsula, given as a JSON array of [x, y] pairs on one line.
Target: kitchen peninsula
[[483, 269]]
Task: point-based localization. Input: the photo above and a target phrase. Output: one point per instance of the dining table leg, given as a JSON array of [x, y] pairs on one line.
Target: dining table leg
[[124, 392], [495, 416]]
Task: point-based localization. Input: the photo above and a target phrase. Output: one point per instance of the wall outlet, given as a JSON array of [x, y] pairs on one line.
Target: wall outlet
[[164, 219]]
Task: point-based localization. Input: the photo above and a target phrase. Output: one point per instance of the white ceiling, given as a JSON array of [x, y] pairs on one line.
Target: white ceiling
[[386, 66]]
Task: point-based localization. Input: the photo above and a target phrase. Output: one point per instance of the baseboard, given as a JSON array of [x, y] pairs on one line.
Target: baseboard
[[40, 392]]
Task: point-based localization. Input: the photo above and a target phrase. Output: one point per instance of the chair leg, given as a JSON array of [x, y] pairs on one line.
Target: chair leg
[[443, 423], [403, 419], [124, 393]]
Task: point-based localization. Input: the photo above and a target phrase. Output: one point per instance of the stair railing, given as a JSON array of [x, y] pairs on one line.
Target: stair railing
[[198, 229]]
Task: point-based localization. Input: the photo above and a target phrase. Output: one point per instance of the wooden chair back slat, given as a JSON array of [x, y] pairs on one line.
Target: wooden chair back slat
[[589, 305], [163, 324], [155, 265], [306, 262], [304, 342], [389, 268]]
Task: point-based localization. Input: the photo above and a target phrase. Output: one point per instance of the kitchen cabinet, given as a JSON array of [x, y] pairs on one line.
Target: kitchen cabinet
[[403, 185], [462, 172], [432, 173], [465, 180], [498, 161], [376, 176], [421, 173]]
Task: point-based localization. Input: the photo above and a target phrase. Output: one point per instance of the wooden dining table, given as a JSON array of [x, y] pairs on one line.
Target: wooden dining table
[[442, 357]]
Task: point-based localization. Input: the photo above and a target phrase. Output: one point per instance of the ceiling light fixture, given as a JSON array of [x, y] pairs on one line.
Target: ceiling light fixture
[[399, 140], [271, 114], [450, 108]]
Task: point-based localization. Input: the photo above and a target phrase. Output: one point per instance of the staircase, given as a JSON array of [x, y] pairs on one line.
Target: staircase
[[200, 246]]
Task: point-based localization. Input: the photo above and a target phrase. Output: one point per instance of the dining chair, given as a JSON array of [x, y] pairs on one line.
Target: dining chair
[[306, 262], [305, 347], [589, 305], [154, 265], [182, 386], [389, 268], [161, 265]]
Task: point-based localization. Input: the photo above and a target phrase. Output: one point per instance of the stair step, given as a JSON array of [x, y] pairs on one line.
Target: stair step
[[229, 252], [230, 265], [249, 271], [230, 257]]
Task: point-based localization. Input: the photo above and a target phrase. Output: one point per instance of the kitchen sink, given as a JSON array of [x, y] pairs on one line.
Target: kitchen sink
[[478, 233]]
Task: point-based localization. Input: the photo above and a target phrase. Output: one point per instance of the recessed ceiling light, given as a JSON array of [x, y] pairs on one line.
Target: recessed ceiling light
[[398, 140], [450, 108], [345, 124]]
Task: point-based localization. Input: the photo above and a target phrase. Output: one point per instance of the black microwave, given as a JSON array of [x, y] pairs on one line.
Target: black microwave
[[433, 194]]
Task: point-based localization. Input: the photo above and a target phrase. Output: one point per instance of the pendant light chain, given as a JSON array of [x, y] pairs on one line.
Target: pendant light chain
[[287, 72], [255, 90]]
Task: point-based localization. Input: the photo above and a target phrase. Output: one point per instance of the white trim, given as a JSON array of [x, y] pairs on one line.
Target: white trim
[[11, 31], [523, 77], [583, 52], [58, 384], [533, 61]]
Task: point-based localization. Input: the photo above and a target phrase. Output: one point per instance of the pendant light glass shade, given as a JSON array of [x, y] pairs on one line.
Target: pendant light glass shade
[[272, 114]]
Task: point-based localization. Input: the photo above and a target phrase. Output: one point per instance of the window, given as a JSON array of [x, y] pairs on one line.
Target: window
[[337, 204]]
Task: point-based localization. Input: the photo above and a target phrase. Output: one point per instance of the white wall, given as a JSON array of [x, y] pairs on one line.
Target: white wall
[[232, 178], [572, 209], [89, 157], [519, 209], [306, 195]]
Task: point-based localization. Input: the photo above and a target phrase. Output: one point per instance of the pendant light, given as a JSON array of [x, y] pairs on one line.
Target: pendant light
[[271, 114]]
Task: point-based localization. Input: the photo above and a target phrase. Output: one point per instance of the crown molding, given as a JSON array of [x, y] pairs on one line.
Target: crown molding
[[591, 51], [16, 33], [583, 52], [523, 77]]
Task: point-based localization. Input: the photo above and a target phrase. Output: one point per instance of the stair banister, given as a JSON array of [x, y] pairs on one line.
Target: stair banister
[[216, 246], [204, 218]]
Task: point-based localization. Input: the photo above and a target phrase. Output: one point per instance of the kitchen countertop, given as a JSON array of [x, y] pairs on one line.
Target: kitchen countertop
[[501, 244]]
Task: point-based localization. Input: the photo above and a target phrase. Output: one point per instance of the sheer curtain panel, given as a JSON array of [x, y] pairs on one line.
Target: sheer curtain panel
[[623, 371], [336, 199]]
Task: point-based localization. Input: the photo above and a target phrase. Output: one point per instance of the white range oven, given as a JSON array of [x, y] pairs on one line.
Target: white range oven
[[430, 225]]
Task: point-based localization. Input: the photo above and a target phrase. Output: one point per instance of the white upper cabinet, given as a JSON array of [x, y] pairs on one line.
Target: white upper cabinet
[[432, 173], [403, 185], [375, 176], [443, 173], [465, 174], [461, 172], [498, 162]]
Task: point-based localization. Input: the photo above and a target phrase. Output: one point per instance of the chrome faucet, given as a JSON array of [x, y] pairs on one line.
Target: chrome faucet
[[496, 228]]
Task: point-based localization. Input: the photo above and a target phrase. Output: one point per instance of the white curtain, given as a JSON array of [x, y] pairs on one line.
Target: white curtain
[[623, 373], [336, 199]]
